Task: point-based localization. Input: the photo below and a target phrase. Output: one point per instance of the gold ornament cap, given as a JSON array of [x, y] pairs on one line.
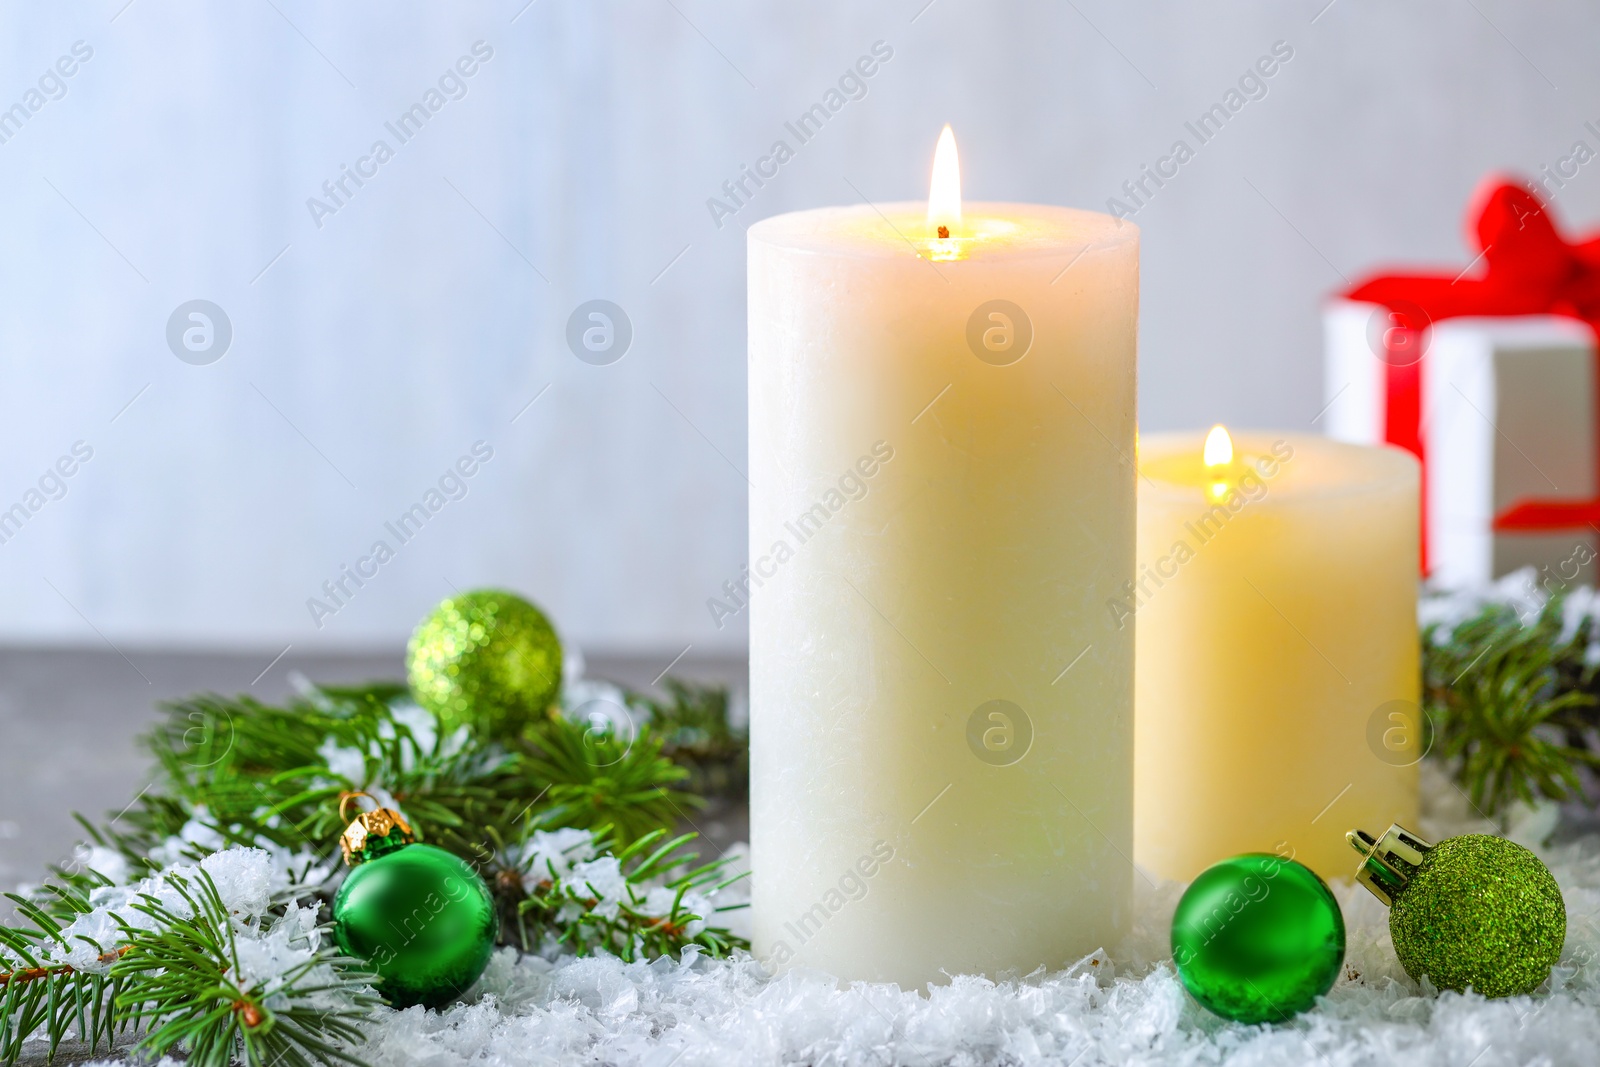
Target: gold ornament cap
[[1387, 862], [372, 833]]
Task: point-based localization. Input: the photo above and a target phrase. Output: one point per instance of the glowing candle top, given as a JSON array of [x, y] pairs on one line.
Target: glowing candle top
[[946, 230]]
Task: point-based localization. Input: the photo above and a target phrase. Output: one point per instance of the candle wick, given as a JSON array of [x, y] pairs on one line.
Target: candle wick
[[944, 231]]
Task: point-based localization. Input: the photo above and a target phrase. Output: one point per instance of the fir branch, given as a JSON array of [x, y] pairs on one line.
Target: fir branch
[[1512, 704], [177, 977], [33, 974], [628, 904], [693, 724], [597, 777], [56, 998], [262, 773], [184, 978], [253, 774]]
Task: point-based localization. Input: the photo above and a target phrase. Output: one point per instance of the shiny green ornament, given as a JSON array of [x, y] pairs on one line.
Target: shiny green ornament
[[419, 916], [1473, 910], [486, 659], [1257, 938]]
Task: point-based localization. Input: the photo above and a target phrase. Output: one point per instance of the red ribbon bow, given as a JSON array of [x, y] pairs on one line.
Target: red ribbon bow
[[1528, 268]]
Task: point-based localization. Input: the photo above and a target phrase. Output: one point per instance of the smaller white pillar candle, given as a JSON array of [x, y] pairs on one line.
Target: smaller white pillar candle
[[1278, 664]]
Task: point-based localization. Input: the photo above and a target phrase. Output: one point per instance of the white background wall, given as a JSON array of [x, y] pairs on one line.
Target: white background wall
[[430, 309]]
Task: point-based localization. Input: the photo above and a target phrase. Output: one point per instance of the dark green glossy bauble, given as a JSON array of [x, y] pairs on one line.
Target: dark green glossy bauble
[[422, 919], [486, 659], [1258, 938], [1479, 911]]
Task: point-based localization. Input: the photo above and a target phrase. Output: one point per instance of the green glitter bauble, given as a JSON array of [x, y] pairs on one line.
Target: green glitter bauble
[[1257, 938], [422, 919], [1479, 911], [486, 659]]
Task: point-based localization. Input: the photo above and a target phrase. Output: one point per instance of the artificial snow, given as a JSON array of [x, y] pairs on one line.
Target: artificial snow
[[1124, 1005], [1121, 1006], [245, 880], [551, 853]]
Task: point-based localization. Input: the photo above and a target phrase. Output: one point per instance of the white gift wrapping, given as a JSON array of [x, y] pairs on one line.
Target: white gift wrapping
[[1508, 415]]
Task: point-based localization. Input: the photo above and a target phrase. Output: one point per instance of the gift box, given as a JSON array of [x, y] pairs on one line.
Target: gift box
[[1507, 415], [1488, 374]]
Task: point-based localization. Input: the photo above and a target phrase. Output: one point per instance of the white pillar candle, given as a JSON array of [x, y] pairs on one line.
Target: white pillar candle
[[941, 503], [1278, 679]]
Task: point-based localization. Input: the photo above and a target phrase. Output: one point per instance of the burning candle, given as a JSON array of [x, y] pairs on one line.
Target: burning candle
[[942, 404], [1278, 679]]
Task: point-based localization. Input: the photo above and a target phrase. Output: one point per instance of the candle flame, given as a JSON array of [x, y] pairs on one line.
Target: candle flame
[[944, 191], [1219, 447]]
